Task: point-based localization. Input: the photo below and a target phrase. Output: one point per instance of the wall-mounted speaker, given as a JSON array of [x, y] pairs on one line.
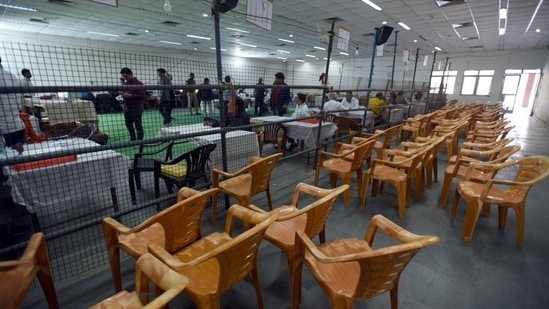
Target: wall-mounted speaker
[[226, 5], [384, 34]]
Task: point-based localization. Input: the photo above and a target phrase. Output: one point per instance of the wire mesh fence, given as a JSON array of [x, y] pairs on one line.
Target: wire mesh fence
[[68, 177]]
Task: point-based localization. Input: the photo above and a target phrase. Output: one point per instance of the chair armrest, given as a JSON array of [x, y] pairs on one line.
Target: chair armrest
[[395, 231], [34, 245], [244, 214]]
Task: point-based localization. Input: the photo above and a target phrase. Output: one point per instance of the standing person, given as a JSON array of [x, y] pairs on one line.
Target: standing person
[[280, 97], [165, 107], [133, 105], [206, 98], [349, 101], [259, 97], [191, 96], [11, 126], [26, 81], [227, 93]]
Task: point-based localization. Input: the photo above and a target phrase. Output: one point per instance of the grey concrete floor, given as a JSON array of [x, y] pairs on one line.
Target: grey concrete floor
[[489, 272]]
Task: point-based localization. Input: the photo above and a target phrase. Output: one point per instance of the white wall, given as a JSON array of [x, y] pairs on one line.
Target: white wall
[[541, 107]]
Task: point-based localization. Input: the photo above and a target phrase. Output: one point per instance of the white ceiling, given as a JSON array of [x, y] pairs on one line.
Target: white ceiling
[[141, 22]]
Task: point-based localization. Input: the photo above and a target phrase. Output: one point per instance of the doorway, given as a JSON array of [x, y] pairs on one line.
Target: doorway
[[519, 89]]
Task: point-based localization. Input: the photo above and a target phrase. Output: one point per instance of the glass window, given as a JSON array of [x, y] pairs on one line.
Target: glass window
[[448, 79], [468, 87], [477, 82], [484, 85]]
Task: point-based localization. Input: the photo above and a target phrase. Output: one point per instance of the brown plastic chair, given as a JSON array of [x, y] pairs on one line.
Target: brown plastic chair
[[465, 156], [17, 276], [274, 133], [215, 263], [310, 219], [387, 136], [531, 170], [147, 269], [350, 269], [338, 165], [397, 173], [173, 229], [247, 182], [346, 127]]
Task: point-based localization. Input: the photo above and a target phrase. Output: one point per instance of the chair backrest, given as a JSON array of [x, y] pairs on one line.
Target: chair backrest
[[346, 126], [389, 134], [238, 257], [317, 212], [261, 170], [196, 160], [16, 276], [531, 171], [84, 131], [182, 221], [273, 132], [504, 153], [150, 269], [361, 153]]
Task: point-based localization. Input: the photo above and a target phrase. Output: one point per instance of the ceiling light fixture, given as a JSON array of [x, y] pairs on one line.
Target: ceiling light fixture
[[345, 54], [415, 41], [310, 56], [538, 30], [373, 5], [170, 42], [383, 22], [503, 17], [282, 51], [405, 26], [284, 40], [356, 52], [438, 48], [198, 37], [103, 34], [321, 48], [205, 15], [237, 30], [281, 58], [222, 49], [533, 16], [167, 6], [249, 45], [22, 8], [300, 60]]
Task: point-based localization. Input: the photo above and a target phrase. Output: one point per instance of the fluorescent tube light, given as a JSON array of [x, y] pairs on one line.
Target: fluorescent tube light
[[198, 37], [281, 58], [103, 34], [501, 31], [249, 45], [22, 8], [222, 49], [310, 56], [170, 42], [284, 40], [237, 30], [342, 53], [321, 48], [282, 51], [403, 25], [300, 60], [373, 5], [438, 48]]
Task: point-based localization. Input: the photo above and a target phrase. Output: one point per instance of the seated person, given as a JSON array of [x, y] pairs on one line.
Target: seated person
[[301, 109], [349, 101], [376, 104], [333, 104], [392, 98], [362, 101], [418, 97], [401, 98], [241, 117]]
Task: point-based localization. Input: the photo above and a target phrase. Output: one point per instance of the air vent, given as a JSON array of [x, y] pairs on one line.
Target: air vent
[[63, 2], [132, 34], [39, 20], [170, 23], [195, 43], [476, 47], [470, 38], [445, 3]]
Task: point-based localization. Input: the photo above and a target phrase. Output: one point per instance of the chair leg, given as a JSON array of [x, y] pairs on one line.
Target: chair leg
[[502, 216], [445, 189], [45, 276], [257, 284], [364, 190], [455, 203], [346, 179], [394, 296], [214, 209], [269, 201], [131, 183], [519, 212], [137, 180], [402, 194], [471, 217]]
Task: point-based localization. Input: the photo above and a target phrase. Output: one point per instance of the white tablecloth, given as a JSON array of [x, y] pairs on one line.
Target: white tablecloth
[[241, 147], [55, 186], [358, 116], [307, 132], [185, 129], [394, 116], [419, 107]]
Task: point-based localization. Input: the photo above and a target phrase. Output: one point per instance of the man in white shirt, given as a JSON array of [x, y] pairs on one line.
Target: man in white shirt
[[349, 101], [11, 126], [301, 109], [333, 104]]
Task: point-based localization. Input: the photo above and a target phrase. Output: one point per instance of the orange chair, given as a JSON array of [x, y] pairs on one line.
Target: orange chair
[[465, 156], [173, 229], [274, 133], [215, 263], [16, 276], [346, 127], [387, 135], [397, 173], [148, 268], [338, 165], [531, 170], [310, 219], [247, 182], [350, 269]]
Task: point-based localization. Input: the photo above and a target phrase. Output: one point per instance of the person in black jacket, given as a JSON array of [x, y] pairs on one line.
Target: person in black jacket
[[259, 97], [206, 99]]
